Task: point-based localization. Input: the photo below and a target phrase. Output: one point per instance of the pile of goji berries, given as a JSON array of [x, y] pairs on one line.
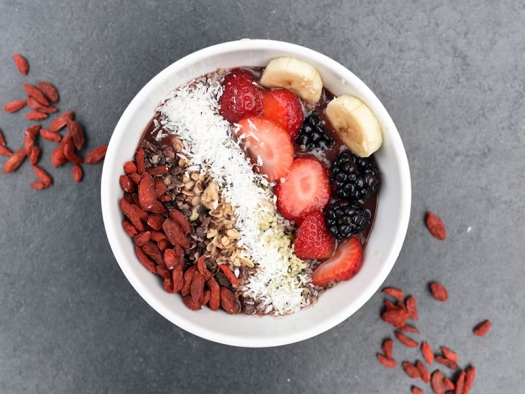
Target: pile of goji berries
[[40, 100], [404, 309], [161, 235]]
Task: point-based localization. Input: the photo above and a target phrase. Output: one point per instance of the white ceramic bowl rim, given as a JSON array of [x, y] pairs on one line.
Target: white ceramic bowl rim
[[112, 216]]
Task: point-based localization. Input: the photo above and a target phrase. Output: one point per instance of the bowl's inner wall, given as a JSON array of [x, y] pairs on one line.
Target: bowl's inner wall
[[333, 306]]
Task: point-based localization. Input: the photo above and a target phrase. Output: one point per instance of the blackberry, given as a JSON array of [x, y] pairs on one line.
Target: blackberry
[[312, 135], [344, 219], [352, 177]]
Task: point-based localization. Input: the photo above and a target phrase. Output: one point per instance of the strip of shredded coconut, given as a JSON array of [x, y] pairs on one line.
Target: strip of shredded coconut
[[280, 282]]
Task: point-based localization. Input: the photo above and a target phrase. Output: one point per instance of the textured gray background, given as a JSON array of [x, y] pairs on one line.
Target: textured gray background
[[452, 77]]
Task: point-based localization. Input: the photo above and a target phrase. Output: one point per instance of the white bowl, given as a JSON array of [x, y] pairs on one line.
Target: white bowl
[[333, 306]]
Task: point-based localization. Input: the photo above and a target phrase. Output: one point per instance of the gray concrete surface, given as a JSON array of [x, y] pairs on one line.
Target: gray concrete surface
[[451, 74]]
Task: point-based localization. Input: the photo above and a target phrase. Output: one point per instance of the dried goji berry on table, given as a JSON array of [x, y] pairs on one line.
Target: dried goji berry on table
[[48, 90], [411, 307], [34, 155], [15, 106], [423, 371], [78, 173], [460, 383], [14, 161], [35, 93], [470, 376], [38, 185], [439, 292], [386, 361], [409, 328], [437, 382], [449, 354], [447, 363], [5, 152], [396, 293], [411, 370], [448, 383], [29, 138], [388, 347], [43, 176], [60, 122], [69, 150], [436, 226], [57, 157], [21, 64], [427, 352], [76, 132], [96, 155], [50, 136], [408, 342], [483, 328]]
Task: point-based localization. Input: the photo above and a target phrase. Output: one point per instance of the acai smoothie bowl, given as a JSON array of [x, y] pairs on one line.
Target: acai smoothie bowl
[[256, 193]]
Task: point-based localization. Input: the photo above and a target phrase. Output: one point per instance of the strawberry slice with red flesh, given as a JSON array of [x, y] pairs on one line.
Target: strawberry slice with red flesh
[[283, 108], [313, 240], [241, 97], [305, 189], [266, 143], [343, 265]]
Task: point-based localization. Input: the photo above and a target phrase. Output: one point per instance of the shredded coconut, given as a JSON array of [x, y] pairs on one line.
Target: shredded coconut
[[281, 281]]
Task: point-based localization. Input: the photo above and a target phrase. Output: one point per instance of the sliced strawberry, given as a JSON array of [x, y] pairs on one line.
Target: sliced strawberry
[[241, 97], [343, 265], [305, 189], [313, 240], [267, 143], [283, 107]]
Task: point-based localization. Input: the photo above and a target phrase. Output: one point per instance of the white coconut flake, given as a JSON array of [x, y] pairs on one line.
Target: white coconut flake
[[280, 282]]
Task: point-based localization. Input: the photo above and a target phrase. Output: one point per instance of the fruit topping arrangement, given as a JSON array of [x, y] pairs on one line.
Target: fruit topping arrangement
[[254, 189]]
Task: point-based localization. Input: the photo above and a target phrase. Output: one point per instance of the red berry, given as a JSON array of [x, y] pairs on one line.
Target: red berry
[[241, 97], [283, 107], [343, 265], [313, 240], [268, 143], [305, 189]]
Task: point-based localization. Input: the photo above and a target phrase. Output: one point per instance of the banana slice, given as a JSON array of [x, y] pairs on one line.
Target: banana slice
[[356, 124], [296, 75]]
